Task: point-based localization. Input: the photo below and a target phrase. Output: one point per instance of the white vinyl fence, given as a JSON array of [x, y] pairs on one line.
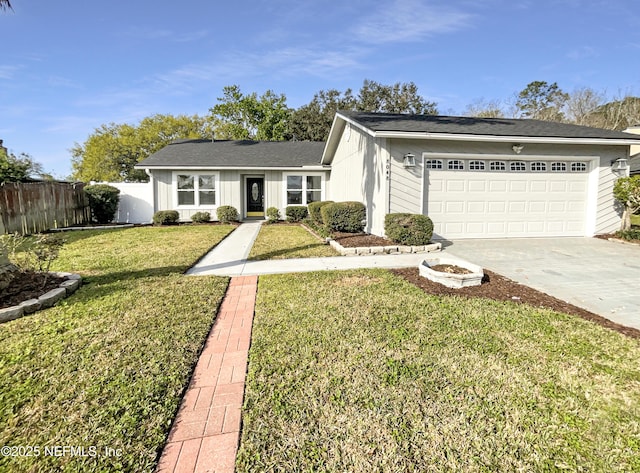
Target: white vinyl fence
[[136, 202]]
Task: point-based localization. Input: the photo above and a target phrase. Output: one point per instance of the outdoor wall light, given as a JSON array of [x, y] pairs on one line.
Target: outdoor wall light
[[409, 160], [517, 148], [619, 166]]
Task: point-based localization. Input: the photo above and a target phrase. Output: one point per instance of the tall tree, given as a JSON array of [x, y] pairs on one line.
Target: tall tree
[[5, 5], [485, 109], [617, 114], [582, 104], [542, 101], [312, 122], [626, 190], [19, 168], [111, 151], [248, 117], [396, 98]]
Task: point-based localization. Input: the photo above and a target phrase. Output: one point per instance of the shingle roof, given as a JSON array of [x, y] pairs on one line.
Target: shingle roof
[[389, 122], [236, 154]]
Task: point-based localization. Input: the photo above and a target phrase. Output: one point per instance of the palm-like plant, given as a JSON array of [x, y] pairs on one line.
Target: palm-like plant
[[5, 5]]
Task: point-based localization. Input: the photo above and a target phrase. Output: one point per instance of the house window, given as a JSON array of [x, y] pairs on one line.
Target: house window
[[302, 190], [518, 166], [558, 167], [538, 166], [578, 167], [455, 165], [433, 164], [497, 166], [196, 189], [476, 165]]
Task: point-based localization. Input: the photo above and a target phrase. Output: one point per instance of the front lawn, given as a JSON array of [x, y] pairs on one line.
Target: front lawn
[[635, 220], [281, 241], [107, 367], [361, 371]]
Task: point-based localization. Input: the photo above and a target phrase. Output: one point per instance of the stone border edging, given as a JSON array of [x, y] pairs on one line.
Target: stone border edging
[[71, 283], [381, 250], [104, 227]]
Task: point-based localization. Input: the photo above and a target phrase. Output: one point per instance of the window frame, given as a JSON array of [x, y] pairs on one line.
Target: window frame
[[477, 165], [455, 165], [515, 165], [538, 164], [196, 189], [305, 189], [436, 164], [584, 166], [555, 164], [501, 164]]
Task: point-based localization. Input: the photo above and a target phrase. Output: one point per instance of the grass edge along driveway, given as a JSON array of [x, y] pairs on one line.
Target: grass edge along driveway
[[361, 371], [106, 368]]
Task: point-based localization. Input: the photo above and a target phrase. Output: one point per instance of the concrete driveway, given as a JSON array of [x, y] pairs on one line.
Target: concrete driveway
[[598, 275]]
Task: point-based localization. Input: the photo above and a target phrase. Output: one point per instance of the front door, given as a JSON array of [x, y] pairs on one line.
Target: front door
[[255, 197]]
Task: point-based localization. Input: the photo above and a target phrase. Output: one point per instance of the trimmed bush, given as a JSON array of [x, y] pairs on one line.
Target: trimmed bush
[[408, 229], [103, 202], [201, 217], [273, 215], [166, 217], [346, 217], [315, 210], [296, 213], [227, 214]]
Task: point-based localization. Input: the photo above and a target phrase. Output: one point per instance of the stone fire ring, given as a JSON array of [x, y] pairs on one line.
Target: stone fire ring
[[70, 284], [455, 281]]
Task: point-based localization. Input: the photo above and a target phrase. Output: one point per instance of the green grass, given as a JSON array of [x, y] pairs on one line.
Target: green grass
[[635, 220], [108, 365], [288, 241], [360, 371]]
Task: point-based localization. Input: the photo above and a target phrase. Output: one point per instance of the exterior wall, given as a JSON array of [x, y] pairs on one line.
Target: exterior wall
[[231, 190], [358, 174], [406, 192]]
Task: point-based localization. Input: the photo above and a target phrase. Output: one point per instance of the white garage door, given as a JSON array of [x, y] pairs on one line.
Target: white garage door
[[495, 199]]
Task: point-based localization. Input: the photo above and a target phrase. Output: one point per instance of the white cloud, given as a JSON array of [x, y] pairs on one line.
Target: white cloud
[[150, 34], [409, 20], [8, 72]]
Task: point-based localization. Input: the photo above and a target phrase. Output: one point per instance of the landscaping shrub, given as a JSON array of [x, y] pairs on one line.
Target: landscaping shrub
[[296, 213], [227, 214], [273, 215], [346, 217], [166, 217], [408, 229], [103, 202], [201, 217], [629, 234], [315, 210]]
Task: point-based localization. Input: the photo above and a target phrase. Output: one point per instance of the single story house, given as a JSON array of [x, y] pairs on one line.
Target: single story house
[[475, 177]]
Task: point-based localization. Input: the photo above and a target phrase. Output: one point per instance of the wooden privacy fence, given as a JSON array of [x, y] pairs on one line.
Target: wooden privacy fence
[[38, 206]]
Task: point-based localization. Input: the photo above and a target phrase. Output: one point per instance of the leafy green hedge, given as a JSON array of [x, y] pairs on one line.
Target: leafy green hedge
[[227, 214], [315, 210], [408, 229], [346, 217], [103, 201], [166, 217], [296, 213], [201, 217], [273, 215]]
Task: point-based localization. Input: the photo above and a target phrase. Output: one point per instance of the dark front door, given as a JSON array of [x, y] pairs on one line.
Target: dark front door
[[255, 197]]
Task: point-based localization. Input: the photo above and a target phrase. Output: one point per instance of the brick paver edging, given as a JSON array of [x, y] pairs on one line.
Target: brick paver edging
[[206, 431]]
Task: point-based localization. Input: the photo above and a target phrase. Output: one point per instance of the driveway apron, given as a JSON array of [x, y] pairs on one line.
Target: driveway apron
[[598, 275]]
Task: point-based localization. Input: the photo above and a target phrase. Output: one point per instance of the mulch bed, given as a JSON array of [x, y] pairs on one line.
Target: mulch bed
[[27, 285], [497, 287], [353, 240]]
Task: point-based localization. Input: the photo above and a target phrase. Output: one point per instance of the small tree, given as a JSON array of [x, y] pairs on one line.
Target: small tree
[[627, 191]]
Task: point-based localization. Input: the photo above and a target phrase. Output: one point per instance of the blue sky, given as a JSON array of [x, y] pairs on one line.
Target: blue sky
[[68, 67]]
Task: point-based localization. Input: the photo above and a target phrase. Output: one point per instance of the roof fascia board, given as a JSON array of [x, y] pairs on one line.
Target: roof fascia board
[[500, 138], [236, 168]]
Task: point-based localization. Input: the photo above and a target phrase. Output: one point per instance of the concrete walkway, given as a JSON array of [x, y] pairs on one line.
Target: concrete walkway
[[229, 258]]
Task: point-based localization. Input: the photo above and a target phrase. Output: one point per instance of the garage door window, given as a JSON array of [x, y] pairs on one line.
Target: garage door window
[[538, 166], [518, 166], [578, 167], [433, 164], [455, 165], [497, 166], [558, 167], [476, 165]]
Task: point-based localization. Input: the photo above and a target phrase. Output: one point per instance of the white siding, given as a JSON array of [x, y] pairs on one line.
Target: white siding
[[358, 174]]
